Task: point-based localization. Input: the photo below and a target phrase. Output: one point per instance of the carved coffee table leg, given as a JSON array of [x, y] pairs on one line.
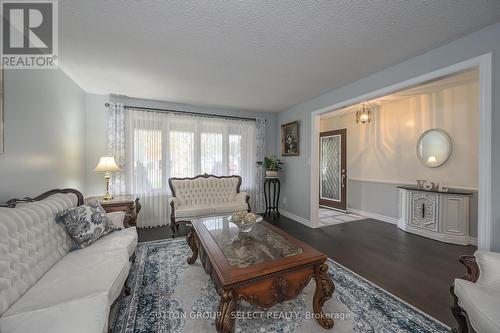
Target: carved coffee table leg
[[324, 291], [192, 242], [224, 323]]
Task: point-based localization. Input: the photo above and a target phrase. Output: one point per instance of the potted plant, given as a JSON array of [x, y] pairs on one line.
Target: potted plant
[[272, 166]]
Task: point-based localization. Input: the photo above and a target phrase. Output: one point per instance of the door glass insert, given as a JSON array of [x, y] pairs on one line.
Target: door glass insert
[[330, 168]]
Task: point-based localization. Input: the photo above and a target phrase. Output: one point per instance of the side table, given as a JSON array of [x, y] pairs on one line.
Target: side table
[[272, 201], [125, 203]]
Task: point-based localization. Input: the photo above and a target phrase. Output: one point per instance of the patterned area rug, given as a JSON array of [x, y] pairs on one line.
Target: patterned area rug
[[168, 295]]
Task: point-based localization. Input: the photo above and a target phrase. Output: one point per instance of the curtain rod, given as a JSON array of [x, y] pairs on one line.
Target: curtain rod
[[143, 108]]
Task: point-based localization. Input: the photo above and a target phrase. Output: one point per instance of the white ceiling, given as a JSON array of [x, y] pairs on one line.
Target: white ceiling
[[253, 55]]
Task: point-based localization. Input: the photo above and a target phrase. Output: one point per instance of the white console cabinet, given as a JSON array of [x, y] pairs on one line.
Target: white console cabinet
[[443, 216]]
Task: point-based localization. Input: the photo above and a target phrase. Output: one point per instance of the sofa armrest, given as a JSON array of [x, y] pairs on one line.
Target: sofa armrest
[[489, 265], [174, 202], [244, 197], [241, 197], [117, 218]]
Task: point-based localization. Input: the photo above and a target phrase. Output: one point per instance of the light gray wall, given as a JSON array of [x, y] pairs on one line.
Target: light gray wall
[[473, 211], [296, 180], [96, 142], [44, 133], [97, 129], [373, 197]]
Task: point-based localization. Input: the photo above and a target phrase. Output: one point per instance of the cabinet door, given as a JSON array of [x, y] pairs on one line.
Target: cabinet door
[[424, 211], [455, 215]]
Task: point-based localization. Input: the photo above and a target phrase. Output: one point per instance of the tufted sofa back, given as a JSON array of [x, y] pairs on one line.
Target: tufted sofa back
[[205, 189], [31, 242]]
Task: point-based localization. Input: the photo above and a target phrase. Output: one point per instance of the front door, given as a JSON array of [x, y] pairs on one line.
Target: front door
[[333, 169]]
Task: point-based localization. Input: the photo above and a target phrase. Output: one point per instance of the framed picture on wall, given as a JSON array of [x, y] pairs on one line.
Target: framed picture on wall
[[1, 112], [290, 139]]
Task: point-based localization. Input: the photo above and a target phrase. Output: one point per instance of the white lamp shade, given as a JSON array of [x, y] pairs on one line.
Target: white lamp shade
[[107, 164]]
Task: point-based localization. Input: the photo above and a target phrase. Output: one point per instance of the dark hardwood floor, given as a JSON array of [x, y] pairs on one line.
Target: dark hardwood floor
[[413, 268]]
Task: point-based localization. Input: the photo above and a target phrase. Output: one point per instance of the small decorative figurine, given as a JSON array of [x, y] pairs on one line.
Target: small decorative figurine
[[427, 185]]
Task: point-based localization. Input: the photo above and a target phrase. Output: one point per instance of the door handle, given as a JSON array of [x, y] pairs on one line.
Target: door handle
[[342, 180]]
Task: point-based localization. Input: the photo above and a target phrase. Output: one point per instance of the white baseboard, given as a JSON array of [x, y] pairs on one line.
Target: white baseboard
[[473, 241], [296, 218], [375, 216]]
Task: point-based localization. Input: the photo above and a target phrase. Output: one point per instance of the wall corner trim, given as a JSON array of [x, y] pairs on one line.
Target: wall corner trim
[[296, 218], [374, 216]]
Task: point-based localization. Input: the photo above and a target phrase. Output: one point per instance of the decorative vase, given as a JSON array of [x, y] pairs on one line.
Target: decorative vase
[[271, 174]]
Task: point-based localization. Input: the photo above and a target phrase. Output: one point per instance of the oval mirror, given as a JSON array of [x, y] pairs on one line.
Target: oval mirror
[[434, 148]]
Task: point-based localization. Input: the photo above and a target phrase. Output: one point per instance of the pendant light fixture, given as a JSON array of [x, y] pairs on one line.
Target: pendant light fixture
[[364, 113]]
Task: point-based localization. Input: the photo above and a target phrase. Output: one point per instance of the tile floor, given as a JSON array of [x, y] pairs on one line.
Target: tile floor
[[331, 217]]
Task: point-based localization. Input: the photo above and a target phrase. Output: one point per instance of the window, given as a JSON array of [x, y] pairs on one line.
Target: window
[[148, 166], [235, 154], [181, 154], [211, 154], [190, 150], [161, 145]]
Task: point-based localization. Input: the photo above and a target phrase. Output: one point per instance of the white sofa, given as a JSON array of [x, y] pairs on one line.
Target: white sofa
[[477, 294], [45, 287], [205, 195]]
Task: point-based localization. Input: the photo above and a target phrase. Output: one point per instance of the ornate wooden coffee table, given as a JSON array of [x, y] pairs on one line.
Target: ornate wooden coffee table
[[264, 267]]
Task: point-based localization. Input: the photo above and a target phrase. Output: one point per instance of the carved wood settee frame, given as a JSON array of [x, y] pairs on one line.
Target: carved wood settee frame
[[174, 225], [12, 203]]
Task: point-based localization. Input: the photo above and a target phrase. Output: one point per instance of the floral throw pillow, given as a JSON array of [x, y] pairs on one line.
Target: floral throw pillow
[[86, 223]]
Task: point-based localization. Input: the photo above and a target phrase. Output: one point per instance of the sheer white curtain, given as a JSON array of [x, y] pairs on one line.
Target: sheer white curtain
[[162, 145], [260, 149], [116, 146]]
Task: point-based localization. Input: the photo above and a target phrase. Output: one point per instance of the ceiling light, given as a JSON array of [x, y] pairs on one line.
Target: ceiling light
[[364, 113]]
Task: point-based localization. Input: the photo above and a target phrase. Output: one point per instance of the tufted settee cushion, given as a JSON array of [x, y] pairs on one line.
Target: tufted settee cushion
[[205, 196], [30, 244], [205, 191]]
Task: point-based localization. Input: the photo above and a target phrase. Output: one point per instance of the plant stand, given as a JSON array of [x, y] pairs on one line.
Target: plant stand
[[272, 202]]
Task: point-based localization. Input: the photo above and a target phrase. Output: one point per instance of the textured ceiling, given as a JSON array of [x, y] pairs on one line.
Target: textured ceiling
[[253, 55]]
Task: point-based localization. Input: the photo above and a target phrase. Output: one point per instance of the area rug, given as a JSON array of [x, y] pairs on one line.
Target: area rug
[[168, 295]]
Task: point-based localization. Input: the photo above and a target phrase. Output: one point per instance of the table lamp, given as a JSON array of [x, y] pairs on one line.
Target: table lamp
[[107, 165]]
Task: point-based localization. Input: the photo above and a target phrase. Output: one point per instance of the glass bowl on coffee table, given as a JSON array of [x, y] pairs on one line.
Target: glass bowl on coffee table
[[244, 224]]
